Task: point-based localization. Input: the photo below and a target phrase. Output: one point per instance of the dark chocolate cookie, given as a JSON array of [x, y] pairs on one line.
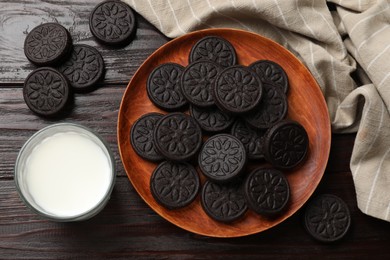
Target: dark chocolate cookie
[[237, 90], [267, 191], [84, 68], [222, 158], [327, 218], [46, 92], [47, 44], [197, 82], [223, 202], [272, 108], [142, 138], [211, 119], [178, 137], [253, 140], [112, 23], [286, 144], [163, 87], [269, 71], [214, 48], [174, 185]]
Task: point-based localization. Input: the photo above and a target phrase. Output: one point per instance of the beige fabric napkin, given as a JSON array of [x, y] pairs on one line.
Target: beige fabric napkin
[[347, 50]]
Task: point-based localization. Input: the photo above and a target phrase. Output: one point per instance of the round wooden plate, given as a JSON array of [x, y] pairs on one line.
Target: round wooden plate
[[306, 105]]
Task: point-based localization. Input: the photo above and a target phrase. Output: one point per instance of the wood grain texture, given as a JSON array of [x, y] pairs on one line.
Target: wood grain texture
[[17, 18], [128, 228], [305, 105]]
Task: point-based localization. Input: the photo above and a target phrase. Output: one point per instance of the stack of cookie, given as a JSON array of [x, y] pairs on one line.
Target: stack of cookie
[[66, 68], [240, 113]]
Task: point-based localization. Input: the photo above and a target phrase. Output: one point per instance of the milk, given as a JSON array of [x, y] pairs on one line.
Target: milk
[[67, 174]]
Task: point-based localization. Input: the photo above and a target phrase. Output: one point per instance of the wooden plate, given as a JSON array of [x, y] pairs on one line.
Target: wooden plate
[[306, 105]]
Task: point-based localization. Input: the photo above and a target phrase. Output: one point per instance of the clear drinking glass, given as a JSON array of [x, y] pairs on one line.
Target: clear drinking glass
[[30, 147]]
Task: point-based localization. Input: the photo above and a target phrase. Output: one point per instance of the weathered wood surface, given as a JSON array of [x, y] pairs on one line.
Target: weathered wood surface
[[127, 228], [17, 18]]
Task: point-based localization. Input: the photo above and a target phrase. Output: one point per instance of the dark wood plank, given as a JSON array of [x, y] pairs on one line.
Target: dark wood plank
[[340, 152], [127, 227], [17, 18]]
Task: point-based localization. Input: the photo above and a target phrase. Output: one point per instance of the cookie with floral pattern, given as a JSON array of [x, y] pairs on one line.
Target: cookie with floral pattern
[[237, 90], [223, 202], [327, 218], [215, 49], [164, 87], [84, 68], [178, 137], [267, 191], [47, 44], [197, 82], [46, 92], [222, 158], [270, 71], [112, 23], [142, 138], [286, 144], [174, 185]]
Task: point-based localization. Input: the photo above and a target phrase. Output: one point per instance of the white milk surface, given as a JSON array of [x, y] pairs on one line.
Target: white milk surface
[[67, 174]]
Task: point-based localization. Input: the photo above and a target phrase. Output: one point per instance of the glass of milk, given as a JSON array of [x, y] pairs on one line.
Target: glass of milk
[[65, 172]]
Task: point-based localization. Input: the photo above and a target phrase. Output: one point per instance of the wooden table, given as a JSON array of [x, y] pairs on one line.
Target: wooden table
[[127, 227]]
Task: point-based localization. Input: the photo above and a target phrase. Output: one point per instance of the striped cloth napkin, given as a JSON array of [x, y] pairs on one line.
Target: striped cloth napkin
[[346, 49]]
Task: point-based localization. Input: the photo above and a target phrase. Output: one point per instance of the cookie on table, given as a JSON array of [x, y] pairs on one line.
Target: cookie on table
[[197, 82], [267, 191], [142, 138], [215, 49], [253, 140], [237, 90], [271, 72], [174, 185], [178, 137], [223, 202], [286, 144], [48, 44], [211, 119], [272, 108], [84, 68], [222, 158], [46, 92], [164, 87], [327, 218], [112, 23]]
